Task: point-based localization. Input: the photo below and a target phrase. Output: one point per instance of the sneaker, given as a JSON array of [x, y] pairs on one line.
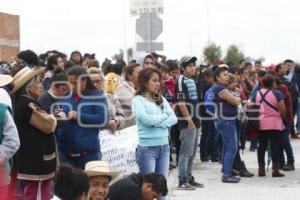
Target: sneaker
[[246, 174], [235, 172], [196, 184], [230, 179], [185, 186]]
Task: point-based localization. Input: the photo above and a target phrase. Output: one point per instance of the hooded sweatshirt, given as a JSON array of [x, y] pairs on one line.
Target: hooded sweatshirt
[[141, 58]]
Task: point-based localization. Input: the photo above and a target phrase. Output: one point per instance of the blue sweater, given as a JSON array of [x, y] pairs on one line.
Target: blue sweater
[[152, 121], [81, 135]]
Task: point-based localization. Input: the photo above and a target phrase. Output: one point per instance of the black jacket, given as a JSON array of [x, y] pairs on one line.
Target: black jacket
[[36, 157], [128, 188]]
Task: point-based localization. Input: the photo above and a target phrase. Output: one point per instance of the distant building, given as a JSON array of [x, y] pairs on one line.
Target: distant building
[[9, 36]]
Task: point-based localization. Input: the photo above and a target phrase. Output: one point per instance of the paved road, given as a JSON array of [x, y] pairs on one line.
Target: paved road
[[256, 188]]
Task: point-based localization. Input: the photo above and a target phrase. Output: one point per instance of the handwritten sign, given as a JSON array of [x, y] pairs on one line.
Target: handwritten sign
[[118, 149]]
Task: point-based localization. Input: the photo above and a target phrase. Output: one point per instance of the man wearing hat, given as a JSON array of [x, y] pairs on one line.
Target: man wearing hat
[[188, 123], [9, 138], [100, 176]]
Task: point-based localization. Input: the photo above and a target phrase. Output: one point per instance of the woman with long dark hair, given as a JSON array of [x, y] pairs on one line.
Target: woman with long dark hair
[[87, 112], [153, 116]]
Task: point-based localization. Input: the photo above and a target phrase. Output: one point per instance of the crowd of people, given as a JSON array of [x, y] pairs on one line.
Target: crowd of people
[[52, 109]]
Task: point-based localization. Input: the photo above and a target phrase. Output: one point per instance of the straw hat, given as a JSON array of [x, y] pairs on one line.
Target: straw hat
[[99, 168], [5, 80], [23, 76]]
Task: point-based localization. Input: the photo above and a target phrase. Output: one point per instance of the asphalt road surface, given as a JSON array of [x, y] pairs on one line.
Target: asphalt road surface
[[256, 188]]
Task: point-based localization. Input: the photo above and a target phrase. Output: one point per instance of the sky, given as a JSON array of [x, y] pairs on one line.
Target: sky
[[260, 28]]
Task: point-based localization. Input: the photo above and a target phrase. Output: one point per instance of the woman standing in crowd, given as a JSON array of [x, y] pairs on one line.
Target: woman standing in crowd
[[36, 159], [87, 112], [153, 116], [272, 109], [116, 114], [226, 122], [126, 90], [239, 166]]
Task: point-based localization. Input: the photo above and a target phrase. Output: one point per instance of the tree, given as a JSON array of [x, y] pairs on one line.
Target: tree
[[233, 56], [119, 55], [212, 53]]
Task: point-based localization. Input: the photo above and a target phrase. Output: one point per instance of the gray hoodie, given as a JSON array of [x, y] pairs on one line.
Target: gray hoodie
[[141, 58], [10, 143]]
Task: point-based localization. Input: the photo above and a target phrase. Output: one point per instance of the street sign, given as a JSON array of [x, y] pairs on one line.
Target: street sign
[[149, 46], [139, 7], [149, 26]]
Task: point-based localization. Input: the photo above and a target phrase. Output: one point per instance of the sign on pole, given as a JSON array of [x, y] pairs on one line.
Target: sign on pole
[[149, 26], [139, 7], [149, 46]]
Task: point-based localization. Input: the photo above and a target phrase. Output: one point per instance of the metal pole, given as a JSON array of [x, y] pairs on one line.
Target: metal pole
[[149, 33], [124, 32], [208, 19]]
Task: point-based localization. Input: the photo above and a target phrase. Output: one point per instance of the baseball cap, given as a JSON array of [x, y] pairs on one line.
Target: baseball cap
[[185, 60]]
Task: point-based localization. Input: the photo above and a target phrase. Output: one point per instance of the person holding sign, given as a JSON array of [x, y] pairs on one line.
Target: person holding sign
[[153, 116]]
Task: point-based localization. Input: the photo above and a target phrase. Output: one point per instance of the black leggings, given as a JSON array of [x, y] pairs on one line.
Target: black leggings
[[274, 137]]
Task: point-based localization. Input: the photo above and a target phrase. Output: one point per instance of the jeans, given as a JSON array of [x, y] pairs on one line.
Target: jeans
[[286, 144], [227, 129], [153, 159], [187, 152], [80, 161]]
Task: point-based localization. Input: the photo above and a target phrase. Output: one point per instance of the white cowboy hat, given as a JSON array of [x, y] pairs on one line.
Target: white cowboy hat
[[5, 80], [23, 76], [99, 168]]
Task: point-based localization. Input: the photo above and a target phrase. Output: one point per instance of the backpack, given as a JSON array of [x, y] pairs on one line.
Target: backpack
[[3, 109], [112, 81], [209, 104]]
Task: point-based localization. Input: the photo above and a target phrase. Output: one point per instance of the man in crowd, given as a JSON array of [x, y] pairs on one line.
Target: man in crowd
[[138, 186], [188, 123]]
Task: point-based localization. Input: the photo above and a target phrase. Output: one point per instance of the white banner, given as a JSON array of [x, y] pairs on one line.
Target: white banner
[[118, 149], [139, 7]]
